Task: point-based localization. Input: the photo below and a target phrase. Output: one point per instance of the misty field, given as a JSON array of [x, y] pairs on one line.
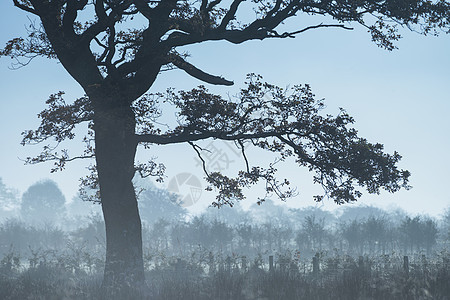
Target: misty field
[[373, 257], [60, 276]]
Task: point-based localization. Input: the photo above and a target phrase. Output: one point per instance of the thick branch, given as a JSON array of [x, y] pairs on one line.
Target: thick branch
[[197, 73], [71, 14], [98, 27], [24, 7], [230, 15], [192, 137], [162, 11], [143, 8]]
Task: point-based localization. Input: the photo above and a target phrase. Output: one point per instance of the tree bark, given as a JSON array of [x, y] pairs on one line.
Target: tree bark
[[114, 126]]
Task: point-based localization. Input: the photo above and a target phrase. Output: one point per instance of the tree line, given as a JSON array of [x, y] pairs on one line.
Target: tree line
[[374, 235], [267, 228]]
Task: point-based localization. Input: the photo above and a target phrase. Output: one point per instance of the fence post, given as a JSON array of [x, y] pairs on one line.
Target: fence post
[[244, 263], [270, 263], [361, 263], [316, 264], [424, 264], [178, 265], [406, 264], [228, 263], [212, 266]]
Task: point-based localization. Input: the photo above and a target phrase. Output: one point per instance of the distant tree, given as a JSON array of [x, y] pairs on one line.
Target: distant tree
[[375, 233], [91, 233], [230, 215], [180, 236], [159, 234], [116, 65], [244, 235], [418, 233], [193, 233], [397, 216], [78, 208], [212, 235], [269, 212], [22, 237], [43, 202], [268, 234], [9, 204], [360, 213], [313, 232], [298, 215], [18, 234], [353, 233], [156, 203], [446, 225], [259, 238], [282, 236], [429, 232], [409, 232], [221, 235]]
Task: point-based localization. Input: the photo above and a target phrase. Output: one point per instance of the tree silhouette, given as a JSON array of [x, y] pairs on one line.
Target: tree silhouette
[[116, 65], [43, 201], [430, 233], [375, 231], [351, 213], [353, 233], [156, 203], [314, 232], [418, 232]]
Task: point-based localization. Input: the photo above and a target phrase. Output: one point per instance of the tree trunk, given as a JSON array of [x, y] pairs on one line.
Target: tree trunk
[[115, 152]]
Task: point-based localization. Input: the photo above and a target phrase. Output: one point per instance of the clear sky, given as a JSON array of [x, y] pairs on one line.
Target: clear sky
[[400, 99]]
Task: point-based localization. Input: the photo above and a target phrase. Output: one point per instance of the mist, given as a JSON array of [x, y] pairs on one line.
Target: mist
[[52, 248]]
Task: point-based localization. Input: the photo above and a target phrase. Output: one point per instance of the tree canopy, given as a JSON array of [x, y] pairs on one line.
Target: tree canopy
[[126, 44], [156, 203], [285, 122], [43, 201], [133, 40]]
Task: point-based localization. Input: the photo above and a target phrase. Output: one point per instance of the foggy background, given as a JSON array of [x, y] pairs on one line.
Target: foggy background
[[399, 98], [41, 219], [53, 246]]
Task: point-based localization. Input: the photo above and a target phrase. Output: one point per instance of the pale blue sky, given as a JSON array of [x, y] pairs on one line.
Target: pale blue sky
[[399, 98]]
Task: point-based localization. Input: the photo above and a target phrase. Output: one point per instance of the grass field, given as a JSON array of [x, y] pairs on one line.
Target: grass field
[[77, 275]]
